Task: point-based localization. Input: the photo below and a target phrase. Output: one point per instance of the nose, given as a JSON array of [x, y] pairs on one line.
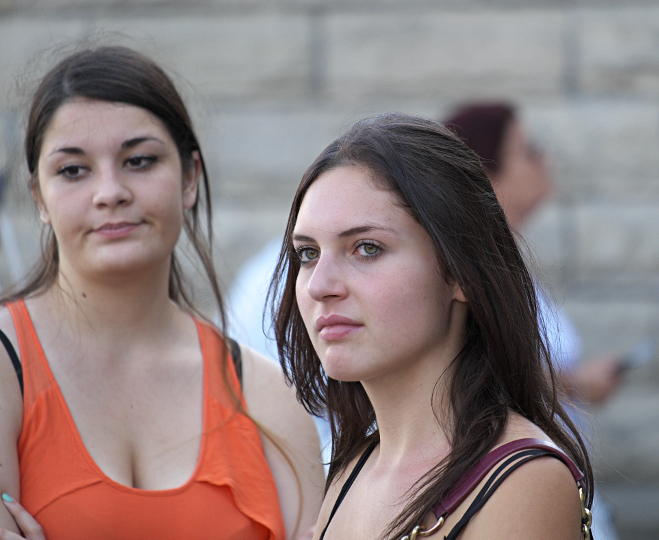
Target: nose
[[111, 189], [328, 279]]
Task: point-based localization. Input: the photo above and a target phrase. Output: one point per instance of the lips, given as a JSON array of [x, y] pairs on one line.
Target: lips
[[116, 230], [335, 327]]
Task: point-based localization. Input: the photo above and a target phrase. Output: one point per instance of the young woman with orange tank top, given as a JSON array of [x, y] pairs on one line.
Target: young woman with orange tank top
[[406, 311], [126, 414]]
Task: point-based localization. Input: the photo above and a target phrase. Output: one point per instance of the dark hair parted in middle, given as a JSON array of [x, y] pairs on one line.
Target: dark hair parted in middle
[[504, 365]]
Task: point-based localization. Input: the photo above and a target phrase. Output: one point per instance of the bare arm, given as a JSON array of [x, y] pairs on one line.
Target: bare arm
[[11, 412], [273, 406]]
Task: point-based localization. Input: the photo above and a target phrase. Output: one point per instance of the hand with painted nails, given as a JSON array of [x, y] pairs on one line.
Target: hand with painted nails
[[31, 529]]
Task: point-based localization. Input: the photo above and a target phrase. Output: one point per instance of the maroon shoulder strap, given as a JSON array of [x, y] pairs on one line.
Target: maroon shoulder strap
[[469, 481]]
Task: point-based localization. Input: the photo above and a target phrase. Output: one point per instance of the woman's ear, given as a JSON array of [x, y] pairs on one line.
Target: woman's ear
[[458, 294], [191, 181], [43, 211]]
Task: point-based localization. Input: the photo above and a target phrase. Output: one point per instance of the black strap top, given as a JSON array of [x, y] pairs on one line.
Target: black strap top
[[13, 357], [526, 453], [351, 479]]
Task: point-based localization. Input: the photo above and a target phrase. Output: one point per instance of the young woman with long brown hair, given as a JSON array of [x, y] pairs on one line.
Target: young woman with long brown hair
[[126, 414], [406, 312]]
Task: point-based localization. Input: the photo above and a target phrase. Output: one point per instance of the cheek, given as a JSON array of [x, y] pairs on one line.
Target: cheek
[[63, 211], [413, 308], [302, 298]]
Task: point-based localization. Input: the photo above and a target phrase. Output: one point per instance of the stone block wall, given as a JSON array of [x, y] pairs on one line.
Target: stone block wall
[[272, 82]]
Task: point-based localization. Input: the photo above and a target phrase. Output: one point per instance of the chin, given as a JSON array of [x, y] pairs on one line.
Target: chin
[[343, 369], [114, 267]]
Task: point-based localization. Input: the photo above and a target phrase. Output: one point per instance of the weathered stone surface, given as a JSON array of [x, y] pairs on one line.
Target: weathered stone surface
[[241, 232], [600, 150], [84, 7], [439, 54], [615, 238], [324, 5], [27, 46], [626, 430], [620, 51], [230, 57], [261, 154], [258, 154]]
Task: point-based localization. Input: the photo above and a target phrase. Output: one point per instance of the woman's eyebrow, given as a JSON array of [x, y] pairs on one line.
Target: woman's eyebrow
[[138, 140], [364, 228], [74, 150], [68, 150], [349, 232], [302, 238]]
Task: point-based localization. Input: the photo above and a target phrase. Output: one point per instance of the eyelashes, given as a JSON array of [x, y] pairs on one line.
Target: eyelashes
[[369, 249], [306, 254], [366, 250], [140, 162], [75, 171], [71, 172]]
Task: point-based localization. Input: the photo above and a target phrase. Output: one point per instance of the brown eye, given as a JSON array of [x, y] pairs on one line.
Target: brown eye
[[140, 162], [71, 171]]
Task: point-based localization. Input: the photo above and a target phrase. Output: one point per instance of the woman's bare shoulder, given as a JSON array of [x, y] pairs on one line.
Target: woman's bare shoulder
[[539, 499], [271, 402], [519, 427], [289, 439], [11, 414]]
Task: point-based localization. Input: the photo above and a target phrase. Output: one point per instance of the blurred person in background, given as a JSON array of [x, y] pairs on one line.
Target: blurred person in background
[[519, 175]]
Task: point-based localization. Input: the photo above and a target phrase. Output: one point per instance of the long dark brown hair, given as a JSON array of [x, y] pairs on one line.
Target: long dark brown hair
[[120, 75], [505, 363]]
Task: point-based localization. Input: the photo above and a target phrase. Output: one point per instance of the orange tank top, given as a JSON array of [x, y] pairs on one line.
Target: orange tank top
[[231, 494]]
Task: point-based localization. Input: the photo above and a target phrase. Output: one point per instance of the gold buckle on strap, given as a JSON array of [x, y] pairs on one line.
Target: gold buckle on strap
[[418, 531], [586, 516]]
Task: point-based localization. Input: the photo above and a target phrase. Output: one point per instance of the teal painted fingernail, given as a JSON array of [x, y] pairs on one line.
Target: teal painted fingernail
[[7, 498]]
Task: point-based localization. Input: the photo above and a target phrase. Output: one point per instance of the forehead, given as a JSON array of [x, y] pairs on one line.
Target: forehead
[[348, 197], [87, 122]]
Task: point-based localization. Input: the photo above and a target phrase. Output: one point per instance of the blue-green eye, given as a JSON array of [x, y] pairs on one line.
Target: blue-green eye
[[368, 249], [307, 254]]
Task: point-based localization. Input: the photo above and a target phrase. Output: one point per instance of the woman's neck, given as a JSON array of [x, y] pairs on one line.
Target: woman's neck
[[412, 416], [412, 405], [123, 306]]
